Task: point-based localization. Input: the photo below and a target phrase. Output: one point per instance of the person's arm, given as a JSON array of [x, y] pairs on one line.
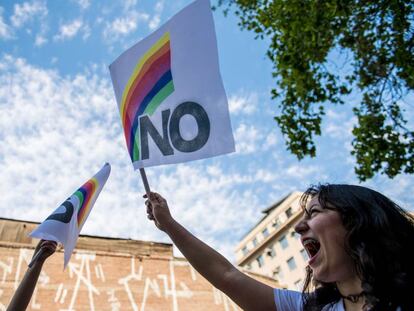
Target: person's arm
[[24, 292], [248, 293]]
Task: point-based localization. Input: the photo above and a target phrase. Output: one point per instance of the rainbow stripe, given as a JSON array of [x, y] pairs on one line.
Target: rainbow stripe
[[150, 83], [85, 195]]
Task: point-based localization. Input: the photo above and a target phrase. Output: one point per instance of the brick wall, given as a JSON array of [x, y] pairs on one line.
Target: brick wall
[[107, 274]]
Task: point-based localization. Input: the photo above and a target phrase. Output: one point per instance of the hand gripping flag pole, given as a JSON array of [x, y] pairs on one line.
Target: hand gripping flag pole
[[66, 222]]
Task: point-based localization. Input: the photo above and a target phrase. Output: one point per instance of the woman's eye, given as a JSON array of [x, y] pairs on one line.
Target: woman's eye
[[313, 212]]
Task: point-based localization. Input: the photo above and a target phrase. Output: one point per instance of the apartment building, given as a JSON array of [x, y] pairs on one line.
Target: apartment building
[[272, 247]]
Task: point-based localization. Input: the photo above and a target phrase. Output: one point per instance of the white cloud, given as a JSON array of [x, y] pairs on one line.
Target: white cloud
[[271, 141], [69, 30], [303, 171], [86, 32], [83, 4], [123, 26], [44, 133], [154, 22], [159, 6], [5, 30], [129, 4], [266, 176], [243, 104], [40, 40], [26, 12], [156, 19], [247, 139], [339, 125]]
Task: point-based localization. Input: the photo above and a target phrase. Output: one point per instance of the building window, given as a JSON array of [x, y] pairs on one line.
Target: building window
[[289, 212], [271, 251], [265, 232], [295, 235], [276, 223], [291, 263], [245, 251], [260, 261], [304, 255], [277, 273], [284, 242], [254, 242]]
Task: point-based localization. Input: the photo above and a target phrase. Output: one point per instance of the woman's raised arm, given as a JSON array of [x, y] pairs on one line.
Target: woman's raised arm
[[247, 292]]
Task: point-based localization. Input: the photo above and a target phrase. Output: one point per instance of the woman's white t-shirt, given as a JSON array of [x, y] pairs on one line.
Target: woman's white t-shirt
[[288, 300]]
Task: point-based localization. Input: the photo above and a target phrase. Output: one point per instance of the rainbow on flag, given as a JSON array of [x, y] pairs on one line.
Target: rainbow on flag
[[150, 83], [66, 222], [85, 195]]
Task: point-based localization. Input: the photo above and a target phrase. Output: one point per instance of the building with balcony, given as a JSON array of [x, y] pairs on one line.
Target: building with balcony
[[272, 247]]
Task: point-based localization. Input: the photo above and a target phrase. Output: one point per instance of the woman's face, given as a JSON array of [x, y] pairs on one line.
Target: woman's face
[[323, 236]]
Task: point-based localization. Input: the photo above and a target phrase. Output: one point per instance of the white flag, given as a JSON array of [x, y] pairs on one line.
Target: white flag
[[170, 94], [66, 222]]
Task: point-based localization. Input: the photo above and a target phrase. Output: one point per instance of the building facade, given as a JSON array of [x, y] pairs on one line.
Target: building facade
[[107, 274], [273, 248]]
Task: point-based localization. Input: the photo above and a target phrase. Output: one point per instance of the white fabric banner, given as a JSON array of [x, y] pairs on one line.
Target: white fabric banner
[[66, 222], [170, 94]]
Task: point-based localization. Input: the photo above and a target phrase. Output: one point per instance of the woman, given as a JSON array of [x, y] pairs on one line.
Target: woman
[[360, 248]]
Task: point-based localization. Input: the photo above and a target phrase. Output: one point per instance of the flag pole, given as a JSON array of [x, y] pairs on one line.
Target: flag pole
[[145, 181]]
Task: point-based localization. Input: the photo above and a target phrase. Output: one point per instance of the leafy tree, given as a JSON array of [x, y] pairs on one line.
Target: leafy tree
[[379, 37]]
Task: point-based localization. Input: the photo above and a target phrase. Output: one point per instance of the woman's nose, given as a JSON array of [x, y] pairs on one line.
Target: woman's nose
[[301, 227]]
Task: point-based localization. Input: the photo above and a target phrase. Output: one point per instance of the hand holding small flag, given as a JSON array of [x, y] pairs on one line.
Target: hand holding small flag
[[43, 250]]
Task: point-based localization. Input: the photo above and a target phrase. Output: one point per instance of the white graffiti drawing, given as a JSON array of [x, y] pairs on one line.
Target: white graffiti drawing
[[153, 285], [99, 272], [178, 263], [132, 276], [221, 299], [61, 294], [184, 292], [2, 306], [7, 268], [80, 270], [113, 300], [25, 257]]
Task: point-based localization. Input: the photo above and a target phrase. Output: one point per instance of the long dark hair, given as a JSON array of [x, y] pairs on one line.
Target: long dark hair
[[380, 240]]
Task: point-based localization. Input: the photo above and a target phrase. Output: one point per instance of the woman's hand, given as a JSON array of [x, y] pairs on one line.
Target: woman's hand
[[43, 250], [158, 211]]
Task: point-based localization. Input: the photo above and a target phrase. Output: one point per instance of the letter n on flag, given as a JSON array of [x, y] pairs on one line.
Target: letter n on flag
[[170, 94], [66, 222]]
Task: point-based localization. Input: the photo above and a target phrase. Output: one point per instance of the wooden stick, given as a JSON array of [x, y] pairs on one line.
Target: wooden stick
[[145, 181]]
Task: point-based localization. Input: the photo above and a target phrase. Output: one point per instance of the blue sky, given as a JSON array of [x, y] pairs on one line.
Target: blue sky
[[59, 123]]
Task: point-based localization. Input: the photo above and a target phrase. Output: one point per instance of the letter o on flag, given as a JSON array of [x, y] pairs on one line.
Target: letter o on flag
[[203, 124]]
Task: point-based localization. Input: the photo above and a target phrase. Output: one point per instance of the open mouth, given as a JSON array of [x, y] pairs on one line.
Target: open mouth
[[312, 247]]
